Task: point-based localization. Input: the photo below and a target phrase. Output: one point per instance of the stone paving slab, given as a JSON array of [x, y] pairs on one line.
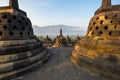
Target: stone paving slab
[[59, 67]]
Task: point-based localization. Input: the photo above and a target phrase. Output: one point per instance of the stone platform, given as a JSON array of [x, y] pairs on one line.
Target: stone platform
[[59, 67]]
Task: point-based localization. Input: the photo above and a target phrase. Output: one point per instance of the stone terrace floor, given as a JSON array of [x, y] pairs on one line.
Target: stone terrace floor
[[59, 67]]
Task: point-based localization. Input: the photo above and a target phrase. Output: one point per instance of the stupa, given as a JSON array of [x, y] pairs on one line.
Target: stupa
[[60, 41], [69, 42], [48, 42], [20, 50], [99, 51], [77, 39]]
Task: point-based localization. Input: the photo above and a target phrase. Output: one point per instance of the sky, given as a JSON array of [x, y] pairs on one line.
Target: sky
[[54, 12]]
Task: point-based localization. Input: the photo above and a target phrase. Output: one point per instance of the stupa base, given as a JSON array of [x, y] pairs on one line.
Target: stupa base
[[86, 59], [21, 56]]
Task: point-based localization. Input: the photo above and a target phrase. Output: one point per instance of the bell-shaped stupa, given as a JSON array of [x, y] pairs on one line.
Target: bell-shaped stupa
[[20, 50], [99, 51], [48, 42], [69, 41], [60, 41]]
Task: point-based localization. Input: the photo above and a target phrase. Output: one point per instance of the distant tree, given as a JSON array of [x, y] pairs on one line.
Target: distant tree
[[41, 38]]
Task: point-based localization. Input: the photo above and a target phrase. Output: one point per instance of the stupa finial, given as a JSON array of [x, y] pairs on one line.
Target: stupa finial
[[61, 32], [106, 3], [14, 4]]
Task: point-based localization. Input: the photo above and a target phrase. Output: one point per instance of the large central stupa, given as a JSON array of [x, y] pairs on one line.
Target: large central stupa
[[60, 41], [99, 51], [20, 50]]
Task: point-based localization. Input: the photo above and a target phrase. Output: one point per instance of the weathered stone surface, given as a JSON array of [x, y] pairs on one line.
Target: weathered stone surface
[[20, 50], [99, 50]]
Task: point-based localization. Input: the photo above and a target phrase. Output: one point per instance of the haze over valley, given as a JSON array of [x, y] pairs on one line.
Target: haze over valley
[[53, 30]]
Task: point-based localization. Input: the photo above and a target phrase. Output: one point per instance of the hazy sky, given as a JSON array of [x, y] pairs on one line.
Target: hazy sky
[[52, 12]]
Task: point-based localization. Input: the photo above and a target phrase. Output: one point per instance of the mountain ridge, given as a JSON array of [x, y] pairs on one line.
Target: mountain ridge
[[53, 30]]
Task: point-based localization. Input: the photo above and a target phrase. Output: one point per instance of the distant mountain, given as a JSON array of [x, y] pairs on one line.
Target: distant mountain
[[54, 30]]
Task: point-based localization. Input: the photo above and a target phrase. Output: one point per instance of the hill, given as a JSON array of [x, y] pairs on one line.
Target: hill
[[53, 30]]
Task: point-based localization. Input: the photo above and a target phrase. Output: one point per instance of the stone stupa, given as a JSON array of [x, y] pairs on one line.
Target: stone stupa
[[20, 50], [60, 41], [99, 51], [69, 41], [48, 42], [77, 39]]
